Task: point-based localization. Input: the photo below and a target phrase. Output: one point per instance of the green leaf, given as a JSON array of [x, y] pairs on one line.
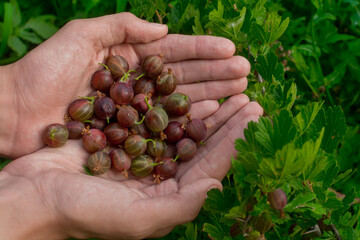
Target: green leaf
[[121, 5], [17, 45], [333, 38], [277, 28], [16, 13], [218, 201], [335, 127], [306, 116], [269, 67], [300, 201], [336, 76], [191, 232], [197, 28], [7, 27], [214, 232], [42, 26], [4, 162], [29, 36], [275, 136]]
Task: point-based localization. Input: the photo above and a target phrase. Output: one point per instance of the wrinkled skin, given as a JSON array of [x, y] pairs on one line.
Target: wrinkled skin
[[46, 188]]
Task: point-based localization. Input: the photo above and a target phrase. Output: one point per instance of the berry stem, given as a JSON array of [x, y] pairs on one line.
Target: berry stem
[[176, 158], [155, 164], [138, 77], [147, 103], [142, 120], [126, 76], [150, 140], [106, 67], [91, 99]]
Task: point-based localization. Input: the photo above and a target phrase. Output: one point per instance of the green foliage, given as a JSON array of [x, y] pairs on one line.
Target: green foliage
[[305, 72]]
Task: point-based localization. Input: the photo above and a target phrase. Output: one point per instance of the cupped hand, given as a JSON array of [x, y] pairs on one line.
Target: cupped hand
[[59, 70], [72, 204]]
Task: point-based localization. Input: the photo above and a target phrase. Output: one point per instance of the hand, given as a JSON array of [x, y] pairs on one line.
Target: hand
[[40, 86], [48, 196]]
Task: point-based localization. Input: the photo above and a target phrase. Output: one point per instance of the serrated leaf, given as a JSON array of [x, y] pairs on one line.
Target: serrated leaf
[[332, 202], [258, 32], [236, 24], [275, 136], [276, 26], [17, 45], [269, 67], [197, 28], [306, 116], [317, 208], [218, 201], [191, 231], [341, 176], [300, 201], [248, 161], [214, 232], [335, 127], [308, 153]]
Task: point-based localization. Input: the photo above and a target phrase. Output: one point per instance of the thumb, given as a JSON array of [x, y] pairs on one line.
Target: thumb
[[118, 28]]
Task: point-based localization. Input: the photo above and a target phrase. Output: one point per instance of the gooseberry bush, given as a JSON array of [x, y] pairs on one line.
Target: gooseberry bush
[[282, 184], [296, 172]]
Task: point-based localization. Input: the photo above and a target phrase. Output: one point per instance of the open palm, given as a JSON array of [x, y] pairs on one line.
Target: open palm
[[112, 207], [59, 70]]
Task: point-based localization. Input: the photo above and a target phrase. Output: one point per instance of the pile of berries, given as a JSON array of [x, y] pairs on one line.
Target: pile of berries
[[124, 114]]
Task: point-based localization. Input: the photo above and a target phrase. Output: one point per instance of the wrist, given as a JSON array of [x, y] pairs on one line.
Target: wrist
[[24, 215], [8, 112]]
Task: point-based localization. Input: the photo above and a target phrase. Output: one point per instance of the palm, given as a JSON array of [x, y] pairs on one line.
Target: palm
[[140, 207]]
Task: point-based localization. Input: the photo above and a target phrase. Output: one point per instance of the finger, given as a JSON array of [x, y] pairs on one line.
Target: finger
[[220, 147], [175, 47], [199, 70], [183, 206], [227, 109], [115, 29], [213, 89], [200, 110]]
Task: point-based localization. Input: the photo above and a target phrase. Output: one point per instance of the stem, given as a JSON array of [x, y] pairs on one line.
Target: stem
[[106, 67], [158, 16], [91, 99], [158, 99], [125, 77], [147, 103], [176, 158], [142, 120], [138, 77], [335, 231], [150, 140], [202, 143], [155, 164]]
